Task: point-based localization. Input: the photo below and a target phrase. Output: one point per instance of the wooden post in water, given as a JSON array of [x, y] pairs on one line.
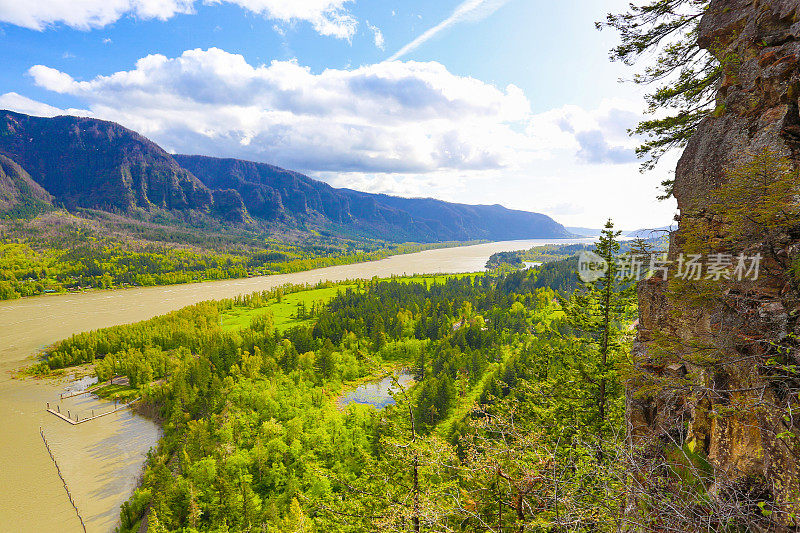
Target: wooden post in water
[[66, 488]]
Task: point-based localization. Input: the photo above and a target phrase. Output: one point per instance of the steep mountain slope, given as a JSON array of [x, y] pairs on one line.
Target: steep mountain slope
[[17, 189], [269, 192], [493, 222], [89, 163], [92, 163], [273, 193]]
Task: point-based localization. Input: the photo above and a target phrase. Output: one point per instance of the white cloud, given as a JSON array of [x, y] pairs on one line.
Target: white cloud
[[87, 14], [468, 11], [23, 104], [328, 17], [380, 42], [388, 117], [596, 149], [594, 137], [52, 79], [406, 128]]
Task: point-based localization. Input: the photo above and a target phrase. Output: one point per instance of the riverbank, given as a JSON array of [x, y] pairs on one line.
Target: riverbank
[[50, 287], [102, 460], [29, 325]]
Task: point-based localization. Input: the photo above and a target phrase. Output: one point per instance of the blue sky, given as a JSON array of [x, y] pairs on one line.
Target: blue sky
[[475, 101]]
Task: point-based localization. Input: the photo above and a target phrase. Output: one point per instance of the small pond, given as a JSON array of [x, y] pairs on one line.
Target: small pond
[[376, 393]]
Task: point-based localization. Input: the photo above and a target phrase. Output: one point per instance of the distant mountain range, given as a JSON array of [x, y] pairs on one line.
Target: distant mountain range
[[584, 232], [88, 163], [651, 233], [645, 233]]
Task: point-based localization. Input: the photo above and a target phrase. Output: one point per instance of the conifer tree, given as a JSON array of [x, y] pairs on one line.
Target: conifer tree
[[684, 75], [596, 316]]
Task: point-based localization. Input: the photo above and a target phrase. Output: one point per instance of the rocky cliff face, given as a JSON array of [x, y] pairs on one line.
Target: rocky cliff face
[[729, 404], [92, 163]]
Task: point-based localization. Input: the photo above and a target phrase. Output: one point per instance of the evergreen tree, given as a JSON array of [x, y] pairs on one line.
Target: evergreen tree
[[596, 316], [685, 76]]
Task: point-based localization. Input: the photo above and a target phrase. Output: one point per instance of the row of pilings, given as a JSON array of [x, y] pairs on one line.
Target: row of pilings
[[66, 488]]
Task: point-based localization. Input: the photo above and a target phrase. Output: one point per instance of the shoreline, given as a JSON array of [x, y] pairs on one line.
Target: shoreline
[[31, 324], [355, 261]]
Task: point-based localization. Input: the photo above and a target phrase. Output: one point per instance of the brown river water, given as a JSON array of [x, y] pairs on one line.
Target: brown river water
[[102, 459]]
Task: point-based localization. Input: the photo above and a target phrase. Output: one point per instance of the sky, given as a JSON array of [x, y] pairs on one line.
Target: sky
[[510, 102]]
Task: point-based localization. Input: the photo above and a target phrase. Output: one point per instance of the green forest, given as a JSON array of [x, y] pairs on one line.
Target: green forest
[[663, 396], [512, 422], [86, 260]]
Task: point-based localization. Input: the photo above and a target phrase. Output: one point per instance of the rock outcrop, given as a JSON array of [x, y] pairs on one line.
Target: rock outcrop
[[728, 405]]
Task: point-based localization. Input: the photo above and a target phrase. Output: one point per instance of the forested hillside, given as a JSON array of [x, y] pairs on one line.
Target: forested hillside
[[19, 194], [85, 259], [85, 162], [94, 164], [513, 384]]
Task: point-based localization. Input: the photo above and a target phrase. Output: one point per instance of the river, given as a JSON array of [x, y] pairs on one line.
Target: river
[[102, 459]]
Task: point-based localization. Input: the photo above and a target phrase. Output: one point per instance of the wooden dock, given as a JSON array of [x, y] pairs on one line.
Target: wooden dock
[[77, 420]]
